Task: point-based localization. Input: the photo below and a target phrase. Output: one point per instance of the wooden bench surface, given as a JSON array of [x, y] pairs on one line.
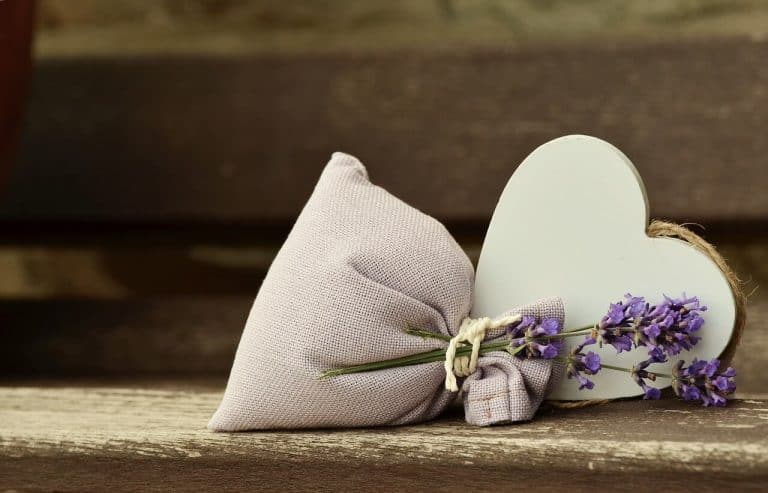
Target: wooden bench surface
[[153, 437]]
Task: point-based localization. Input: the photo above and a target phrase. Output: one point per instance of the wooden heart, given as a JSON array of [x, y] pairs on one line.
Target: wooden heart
[[572, 222]]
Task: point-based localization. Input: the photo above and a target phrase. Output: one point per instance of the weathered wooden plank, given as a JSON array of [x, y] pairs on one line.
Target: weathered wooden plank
[[63, 438], [244, 138]]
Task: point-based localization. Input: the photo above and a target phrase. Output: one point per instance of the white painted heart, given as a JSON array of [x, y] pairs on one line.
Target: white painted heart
[[572, 223]]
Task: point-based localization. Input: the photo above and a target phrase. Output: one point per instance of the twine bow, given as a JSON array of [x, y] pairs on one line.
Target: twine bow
[[472, 331]]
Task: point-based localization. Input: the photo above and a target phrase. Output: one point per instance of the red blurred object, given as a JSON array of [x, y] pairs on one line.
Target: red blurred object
[[16, 25]]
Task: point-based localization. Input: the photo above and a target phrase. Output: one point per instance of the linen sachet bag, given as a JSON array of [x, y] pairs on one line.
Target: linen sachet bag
[[358, 267]]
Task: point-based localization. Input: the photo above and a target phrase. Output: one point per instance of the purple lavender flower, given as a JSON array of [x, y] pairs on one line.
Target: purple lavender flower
[[640, 374], [580, 363], [672, 325], [613, 327], [669, 325], [534, 336], [701, 381]]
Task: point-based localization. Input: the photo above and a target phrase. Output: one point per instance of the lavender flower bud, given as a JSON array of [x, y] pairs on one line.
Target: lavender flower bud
[[580, 363], [614, 328], [535, 337], [640, 374], [701, 381]]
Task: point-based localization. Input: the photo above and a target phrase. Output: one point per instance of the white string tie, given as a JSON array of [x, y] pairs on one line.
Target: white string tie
[[472, 331]]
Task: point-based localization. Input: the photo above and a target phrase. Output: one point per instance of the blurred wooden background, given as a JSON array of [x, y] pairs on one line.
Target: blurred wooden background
[[168, 146]]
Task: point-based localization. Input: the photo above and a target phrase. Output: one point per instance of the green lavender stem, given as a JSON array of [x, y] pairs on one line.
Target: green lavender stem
[[414, 359], [629, 370], [439, 354]]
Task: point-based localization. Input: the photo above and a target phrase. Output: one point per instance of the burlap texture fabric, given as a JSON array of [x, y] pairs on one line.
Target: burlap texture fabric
[[358, 267]]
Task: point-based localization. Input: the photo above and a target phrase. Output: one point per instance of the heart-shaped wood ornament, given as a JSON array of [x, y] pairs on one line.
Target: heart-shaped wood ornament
[[572, 223]]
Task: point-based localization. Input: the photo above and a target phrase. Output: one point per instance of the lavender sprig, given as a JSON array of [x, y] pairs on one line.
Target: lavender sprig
[[530, 339], [673, 324], [640, 373], [670, 326], [612, 328], [703, 381], [579, 363], [665, 329], [537, 337]]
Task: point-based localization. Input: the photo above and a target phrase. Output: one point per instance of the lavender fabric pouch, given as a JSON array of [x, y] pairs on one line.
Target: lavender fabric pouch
[[359, 267]]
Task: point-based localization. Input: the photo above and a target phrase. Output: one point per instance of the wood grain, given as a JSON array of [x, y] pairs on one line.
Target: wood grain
[[63, 437], [244, 138]]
